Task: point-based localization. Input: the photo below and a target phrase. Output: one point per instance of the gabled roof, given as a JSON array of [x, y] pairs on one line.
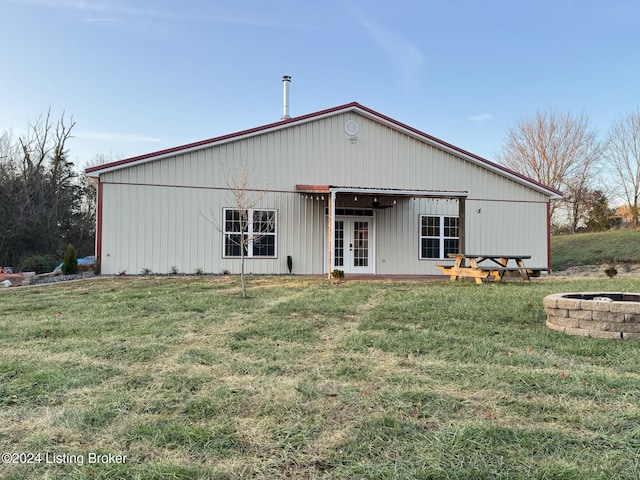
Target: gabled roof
[[349, 107]]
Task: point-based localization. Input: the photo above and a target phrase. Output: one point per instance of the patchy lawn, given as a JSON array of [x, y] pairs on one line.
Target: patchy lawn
[[180, 378]]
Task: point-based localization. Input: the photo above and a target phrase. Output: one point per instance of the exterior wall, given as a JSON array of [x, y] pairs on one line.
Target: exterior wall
[[166, 213], [509, 228], [157, 228], [398, 235]]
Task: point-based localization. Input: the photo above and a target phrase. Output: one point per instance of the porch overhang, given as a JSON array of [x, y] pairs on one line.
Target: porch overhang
[[392, 192]]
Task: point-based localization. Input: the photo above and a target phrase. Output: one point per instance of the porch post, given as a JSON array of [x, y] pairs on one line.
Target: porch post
[[461, 223], [330, 222]]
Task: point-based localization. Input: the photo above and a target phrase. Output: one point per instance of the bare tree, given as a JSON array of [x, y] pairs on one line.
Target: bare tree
[[245, 225], [103, 159], [623, 160], [577, 201], [40, 195], [557, 150], [11, 203]]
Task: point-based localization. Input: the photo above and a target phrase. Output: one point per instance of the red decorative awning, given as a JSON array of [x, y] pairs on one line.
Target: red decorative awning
[[313, 188]]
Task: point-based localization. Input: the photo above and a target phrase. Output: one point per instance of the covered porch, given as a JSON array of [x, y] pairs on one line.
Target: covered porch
[[355, 224]]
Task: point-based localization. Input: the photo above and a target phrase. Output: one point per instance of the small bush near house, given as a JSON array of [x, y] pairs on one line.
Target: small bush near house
[[38, 263], [337, 275], [70, 262]]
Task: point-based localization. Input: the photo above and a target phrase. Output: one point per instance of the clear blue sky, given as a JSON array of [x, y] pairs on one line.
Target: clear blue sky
[[143, 75]]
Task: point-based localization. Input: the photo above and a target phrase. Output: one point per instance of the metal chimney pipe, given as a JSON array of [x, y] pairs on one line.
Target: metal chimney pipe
[[286, 80]]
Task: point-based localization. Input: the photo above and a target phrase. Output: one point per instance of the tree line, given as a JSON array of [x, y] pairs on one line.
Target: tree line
[[563, 151], [45, 204]]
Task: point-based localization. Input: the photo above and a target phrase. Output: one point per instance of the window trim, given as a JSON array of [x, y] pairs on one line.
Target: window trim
[[441, 236], [250, 233]]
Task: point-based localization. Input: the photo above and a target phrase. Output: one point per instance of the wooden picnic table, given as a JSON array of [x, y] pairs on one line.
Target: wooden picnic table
[[484, 266]]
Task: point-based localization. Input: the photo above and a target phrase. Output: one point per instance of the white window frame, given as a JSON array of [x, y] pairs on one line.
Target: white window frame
[[441, 237], [250, 233]]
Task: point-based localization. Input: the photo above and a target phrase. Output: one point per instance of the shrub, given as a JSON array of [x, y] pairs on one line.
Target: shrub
[[38, 263], [337, 275], [70, 262]]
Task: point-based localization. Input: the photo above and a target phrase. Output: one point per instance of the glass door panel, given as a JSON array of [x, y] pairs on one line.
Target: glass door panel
[[338, 251], [352, 247], [360, 255]]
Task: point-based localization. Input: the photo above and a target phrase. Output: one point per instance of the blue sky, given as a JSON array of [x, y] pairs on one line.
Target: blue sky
[[143, 75]]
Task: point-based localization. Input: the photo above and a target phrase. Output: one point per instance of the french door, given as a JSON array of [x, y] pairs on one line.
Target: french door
[[353, 244]]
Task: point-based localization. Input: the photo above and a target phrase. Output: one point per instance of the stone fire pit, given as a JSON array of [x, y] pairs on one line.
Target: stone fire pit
[[597, 315]]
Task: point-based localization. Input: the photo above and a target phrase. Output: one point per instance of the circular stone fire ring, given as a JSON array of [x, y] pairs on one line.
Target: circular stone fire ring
[[597, 315]]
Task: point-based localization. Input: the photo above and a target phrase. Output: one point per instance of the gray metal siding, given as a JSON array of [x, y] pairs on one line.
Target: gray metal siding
[[157, 228], [320, 152], [162, 213]]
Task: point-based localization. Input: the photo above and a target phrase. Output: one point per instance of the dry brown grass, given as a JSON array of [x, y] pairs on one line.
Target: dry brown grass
[[310, 380]]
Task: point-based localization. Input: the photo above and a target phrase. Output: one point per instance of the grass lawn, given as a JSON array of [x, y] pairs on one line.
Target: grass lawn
[[610, 247], [364, 380]]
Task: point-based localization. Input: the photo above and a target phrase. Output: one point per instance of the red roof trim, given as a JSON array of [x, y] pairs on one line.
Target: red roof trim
[[458, 149], [214, 140], [347, 106]]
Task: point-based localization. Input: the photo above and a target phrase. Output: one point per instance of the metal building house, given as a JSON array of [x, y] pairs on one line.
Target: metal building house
[[345, 188]]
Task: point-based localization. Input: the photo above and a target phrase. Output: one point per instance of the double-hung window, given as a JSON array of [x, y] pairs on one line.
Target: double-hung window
[[439, 236], [253, 231]]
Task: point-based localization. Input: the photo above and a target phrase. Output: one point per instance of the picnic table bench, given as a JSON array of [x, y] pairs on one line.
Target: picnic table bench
[[484, 266]]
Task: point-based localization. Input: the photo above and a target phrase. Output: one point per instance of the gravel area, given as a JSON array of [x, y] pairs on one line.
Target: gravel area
[[625, 270], [62, 278]]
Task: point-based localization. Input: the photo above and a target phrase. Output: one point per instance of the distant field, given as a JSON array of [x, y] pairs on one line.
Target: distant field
[[180, 378], [614, 246]]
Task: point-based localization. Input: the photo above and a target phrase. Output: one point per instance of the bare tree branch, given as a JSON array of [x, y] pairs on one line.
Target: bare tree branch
[[623, 159], [557, 150]]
